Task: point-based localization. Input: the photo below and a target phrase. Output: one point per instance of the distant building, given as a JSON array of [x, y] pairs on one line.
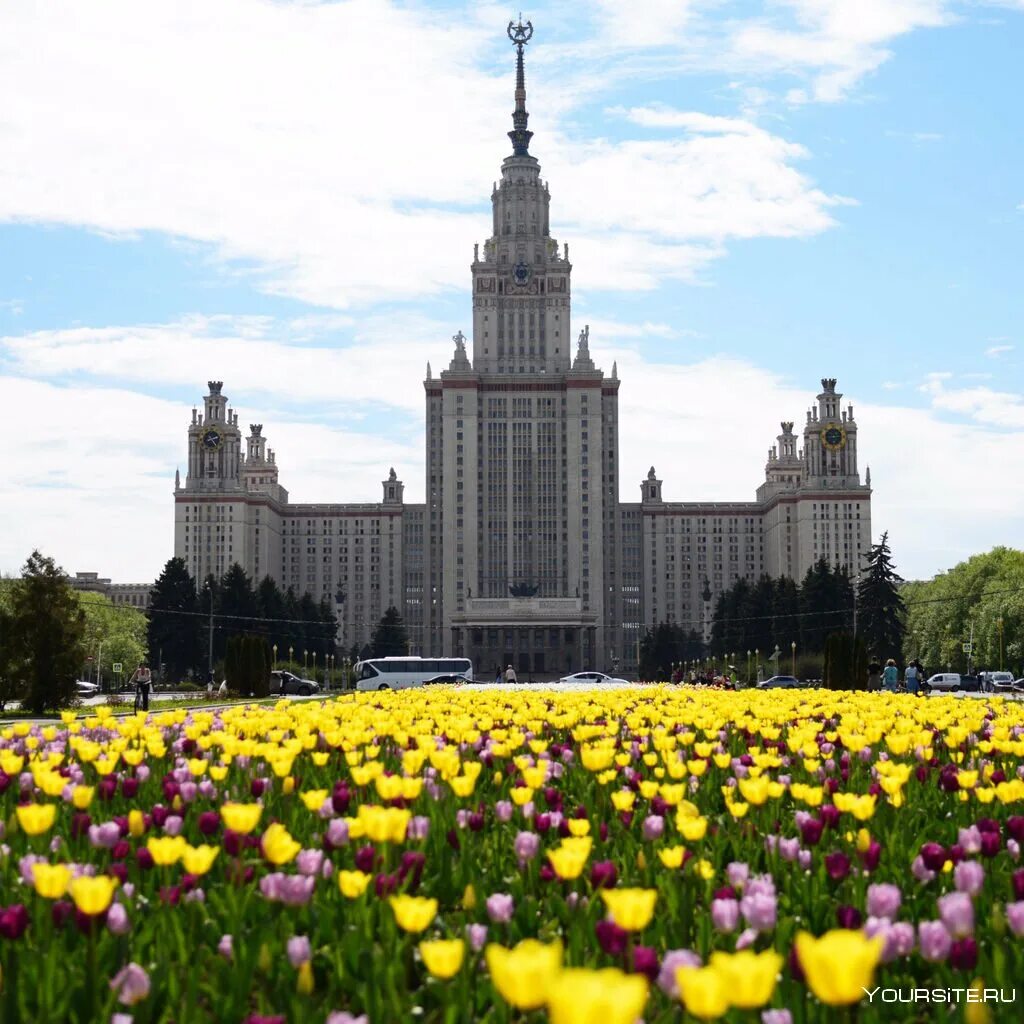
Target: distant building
[[134, 594], [522, 553]]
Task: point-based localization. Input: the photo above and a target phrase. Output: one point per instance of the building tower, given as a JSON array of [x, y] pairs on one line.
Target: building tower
[[522, 441]]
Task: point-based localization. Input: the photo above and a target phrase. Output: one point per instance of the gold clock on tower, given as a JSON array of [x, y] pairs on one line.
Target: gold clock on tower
[[833, 437]]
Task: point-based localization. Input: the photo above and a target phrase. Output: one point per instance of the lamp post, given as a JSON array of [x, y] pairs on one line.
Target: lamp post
[[291, 653], [305, 660], [999, 622], [344, 671], [757, 663], [274, 649], [792, 647], [314, 664], [748, 665]]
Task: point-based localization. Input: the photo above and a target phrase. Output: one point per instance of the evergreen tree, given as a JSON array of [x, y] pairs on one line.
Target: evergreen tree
[[786, 612], [880, 608], [390, 637], [237, 601], [47, 626], [826, 604], [208, 598], [174, 631]]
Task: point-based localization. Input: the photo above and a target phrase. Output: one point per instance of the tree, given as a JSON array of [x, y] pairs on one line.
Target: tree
[[846, 662], [881, 611], [826, 604], [47, 627], [118, 630], [174, 634], [390, 637], [11, 685], [984, 591]]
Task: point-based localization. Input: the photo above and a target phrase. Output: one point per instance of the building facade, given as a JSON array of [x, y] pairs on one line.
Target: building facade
[[522, 552]]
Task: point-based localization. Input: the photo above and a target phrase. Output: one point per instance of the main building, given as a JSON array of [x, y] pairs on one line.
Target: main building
[[522, 553]]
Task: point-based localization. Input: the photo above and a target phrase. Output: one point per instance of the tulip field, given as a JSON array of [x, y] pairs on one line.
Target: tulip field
[[648, 854]]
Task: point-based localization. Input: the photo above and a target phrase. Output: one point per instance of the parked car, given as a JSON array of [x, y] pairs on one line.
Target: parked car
[[285, 683], [779, 683], [992, 682], [950, 681], [589, 678], [83, 688], [446, 679]]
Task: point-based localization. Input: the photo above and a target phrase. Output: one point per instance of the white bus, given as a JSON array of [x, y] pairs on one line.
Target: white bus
[[399, 673]]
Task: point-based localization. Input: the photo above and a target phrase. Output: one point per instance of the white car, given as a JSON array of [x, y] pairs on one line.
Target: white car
[[86, 689], [993, 681], [590, 678], [943, 681]]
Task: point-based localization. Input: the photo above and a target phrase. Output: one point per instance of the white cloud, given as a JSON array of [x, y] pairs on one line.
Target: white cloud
[[342, 154], [995, 351]]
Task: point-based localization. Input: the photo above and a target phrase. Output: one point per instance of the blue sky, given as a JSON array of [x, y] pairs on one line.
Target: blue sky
[[286, 196]]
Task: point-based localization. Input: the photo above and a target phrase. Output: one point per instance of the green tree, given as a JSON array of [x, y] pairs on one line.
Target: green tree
[[826, 604], [880, 609], [47, 627], [11, 685], [390, 637], [114, 633], [982, 591], [846, 662], [175, 631]]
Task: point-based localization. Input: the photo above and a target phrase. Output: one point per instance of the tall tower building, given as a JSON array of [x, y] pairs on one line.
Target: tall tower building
[[521, 448]]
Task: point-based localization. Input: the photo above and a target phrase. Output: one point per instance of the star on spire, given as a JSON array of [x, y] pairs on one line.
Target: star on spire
[[520, 35]]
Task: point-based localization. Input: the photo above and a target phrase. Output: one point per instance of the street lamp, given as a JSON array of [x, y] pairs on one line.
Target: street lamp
[[792, 647], [757, 662], [999, 622], [344, 671], [274, 649], [314, 664], [291, 652], [748, 664]]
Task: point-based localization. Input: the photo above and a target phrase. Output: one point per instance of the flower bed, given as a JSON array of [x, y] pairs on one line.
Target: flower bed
[[450, 856]]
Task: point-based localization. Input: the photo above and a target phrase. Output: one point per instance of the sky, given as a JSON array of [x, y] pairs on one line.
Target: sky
[[285, 196]]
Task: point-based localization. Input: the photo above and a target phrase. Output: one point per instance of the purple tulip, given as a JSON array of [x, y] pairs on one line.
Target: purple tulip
[[725, 915], [476, 934], [933, 856], [13, 921], [935, 941], [337, 832], [653, 827], [131, 984], [299, 951], [365, 858], [104, 836], [737, 874], [963, 954], [117, 919], [526, 845], [776, 1017], [810, 831], [604, 875], [803, 858], [848, 917], [970, 839], [957, 913], [1015, 827], [968, 877], [991, 843], [344, 1017], [500, 907], [1015, 917], [920, 871], [789, 848], [503, 811], [837, 864], [1017, 881], [645, 961], [611, 938], [759, 910], [674, 959], [746, 938], [883, 900]]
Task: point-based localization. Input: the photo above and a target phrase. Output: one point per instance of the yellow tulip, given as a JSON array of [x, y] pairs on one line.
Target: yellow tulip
[[569, 859], [136, 823], [672, 856], [278, 845], [579, 827], [693, 829], [631, 909], [81, 796], [197, 860], [463, 785], [623, 799], [704, 991], [51, 880], [197, 766], [304, 983], [241, 818], [166, 850], [413, 913], [35, 819], [697, 767], [218, 772], [580, 996], [384, 824], [754, 791], [469, 897], [352, 883], [314, 799], [443, 957], [839, 965], [521, 795], [749, 976], [523, 975], [92, 894]]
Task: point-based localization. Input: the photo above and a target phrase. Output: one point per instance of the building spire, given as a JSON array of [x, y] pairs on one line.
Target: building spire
[[520, 35]]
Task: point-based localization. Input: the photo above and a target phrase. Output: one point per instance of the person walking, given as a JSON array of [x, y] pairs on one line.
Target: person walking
[[497, 674], [910, 678], [510, 675], [890, 676], [143, 679]]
